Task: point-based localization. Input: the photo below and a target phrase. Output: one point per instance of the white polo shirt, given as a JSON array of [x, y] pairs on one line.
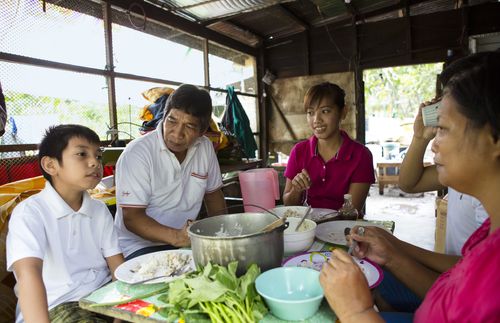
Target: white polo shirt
[[73, 245], [148, 175], [464, 215]]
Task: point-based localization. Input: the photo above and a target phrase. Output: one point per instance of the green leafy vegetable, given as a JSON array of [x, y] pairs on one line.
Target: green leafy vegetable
[[216, 291]]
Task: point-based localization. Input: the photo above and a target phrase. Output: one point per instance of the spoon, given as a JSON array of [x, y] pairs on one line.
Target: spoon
[[273, 225], [303, 218]]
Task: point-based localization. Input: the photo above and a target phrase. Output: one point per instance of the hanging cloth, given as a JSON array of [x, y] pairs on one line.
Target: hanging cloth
[[152, 114], [235, 121]]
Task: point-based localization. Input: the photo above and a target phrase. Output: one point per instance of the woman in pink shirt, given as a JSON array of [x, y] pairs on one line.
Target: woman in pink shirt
[[467, 156], [328, 165]]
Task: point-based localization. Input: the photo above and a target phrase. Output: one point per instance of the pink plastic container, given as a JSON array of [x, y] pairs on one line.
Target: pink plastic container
[[259, 187]]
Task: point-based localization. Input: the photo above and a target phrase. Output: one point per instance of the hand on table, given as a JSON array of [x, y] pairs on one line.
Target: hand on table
[[345, 286]]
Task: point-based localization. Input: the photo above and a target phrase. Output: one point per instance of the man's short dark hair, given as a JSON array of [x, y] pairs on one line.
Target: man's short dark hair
[[191, 100], [56, 139]]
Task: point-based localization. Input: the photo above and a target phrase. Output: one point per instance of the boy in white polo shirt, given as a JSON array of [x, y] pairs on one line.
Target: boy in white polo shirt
[[61, 243], [163, 178]]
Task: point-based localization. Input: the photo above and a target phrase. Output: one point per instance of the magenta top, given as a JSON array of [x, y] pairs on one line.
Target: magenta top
[[331, 179], [470, 291]]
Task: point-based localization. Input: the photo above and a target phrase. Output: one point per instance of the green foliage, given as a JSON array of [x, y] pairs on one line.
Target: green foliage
[[398, 91], [91, 114], [216, 291]]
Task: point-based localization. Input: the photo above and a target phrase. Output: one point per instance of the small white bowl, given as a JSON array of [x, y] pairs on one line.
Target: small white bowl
[[299, 241]]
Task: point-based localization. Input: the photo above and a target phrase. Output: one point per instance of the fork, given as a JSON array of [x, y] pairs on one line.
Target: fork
[[354, 243], [305, 198], [179, 271]]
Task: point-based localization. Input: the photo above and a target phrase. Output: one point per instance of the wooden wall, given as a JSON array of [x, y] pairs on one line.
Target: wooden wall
[[401, 41], [287, 115], [320, 51]]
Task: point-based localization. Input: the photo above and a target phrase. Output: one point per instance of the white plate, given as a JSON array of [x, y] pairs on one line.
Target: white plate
[[333, 232], [125, 273], [315, 260], [316, 214]]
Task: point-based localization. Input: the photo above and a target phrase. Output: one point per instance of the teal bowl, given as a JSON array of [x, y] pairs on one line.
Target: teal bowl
[[291, 293]]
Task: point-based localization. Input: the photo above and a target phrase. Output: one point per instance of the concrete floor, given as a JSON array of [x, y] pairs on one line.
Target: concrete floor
[[413, 214]]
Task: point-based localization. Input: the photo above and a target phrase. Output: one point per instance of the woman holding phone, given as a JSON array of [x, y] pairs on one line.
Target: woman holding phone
[[467, 156]]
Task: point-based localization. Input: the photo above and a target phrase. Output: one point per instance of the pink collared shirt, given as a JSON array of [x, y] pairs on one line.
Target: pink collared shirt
[[469, 291], [331, 179]]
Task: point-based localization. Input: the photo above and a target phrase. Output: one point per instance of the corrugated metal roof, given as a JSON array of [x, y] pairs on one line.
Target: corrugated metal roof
[[252, 21], [203, 10]]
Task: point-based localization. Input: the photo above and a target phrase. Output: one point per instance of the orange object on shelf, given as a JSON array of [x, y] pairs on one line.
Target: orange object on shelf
[[13, 193]]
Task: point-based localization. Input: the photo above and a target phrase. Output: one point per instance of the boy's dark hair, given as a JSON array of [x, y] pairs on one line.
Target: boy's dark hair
[[56, 139], [192, 100], [326, 89], [474, 83]]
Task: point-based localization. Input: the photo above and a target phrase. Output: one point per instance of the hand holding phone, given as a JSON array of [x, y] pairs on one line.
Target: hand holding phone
[[430, 114]]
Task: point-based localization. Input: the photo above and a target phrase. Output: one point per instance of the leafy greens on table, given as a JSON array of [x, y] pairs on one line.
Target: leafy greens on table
[[217, 292]]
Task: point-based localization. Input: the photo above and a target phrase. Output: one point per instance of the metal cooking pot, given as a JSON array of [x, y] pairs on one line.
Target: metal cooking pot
[[225, 238]]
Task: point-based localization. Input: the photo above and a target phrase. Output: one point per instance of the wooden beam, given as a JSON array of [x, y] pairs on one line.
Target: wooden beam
[[262, 104], [363, 16], [206, 63], [307, 55], [244, 30], [352, 10], [172, 20], [94, 71], [294, 17], [257, 35], [110, 80]]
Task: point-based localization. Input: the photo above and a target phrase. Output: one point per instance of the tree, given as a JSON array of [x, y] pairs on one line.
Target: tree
[[397, 92]]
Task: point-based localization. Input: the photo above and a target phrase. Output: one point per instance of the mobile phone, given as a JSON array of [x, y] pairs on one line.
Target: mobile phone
[[430, 114]]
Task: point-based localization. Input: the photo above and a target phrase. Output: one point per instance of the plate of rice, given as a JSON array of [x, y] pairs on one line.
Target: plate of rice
[[161, 264]]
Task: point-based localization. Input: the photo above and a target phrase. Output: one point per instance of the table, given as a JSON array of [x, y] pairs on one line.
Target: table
[[113, 290], [118, 290], [227, 166], [388, 173]]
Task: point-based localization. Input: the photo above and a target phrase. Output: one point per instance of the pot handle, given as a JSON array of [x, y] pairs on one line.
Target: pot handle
[[283, 227]]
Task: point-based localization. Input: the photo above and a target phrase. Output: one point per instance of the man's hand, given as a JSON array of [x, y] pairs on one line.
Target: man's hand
[[181, 236]]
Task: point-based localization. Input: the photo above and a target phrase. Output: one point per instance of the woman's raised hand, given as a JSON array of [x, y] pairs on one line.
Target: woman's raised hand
[[419, 130]]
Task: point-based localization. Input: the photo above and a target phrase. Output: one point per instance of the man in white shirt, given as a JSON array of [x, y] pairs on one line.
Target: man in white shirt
[[163, 177], [464, 215]]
